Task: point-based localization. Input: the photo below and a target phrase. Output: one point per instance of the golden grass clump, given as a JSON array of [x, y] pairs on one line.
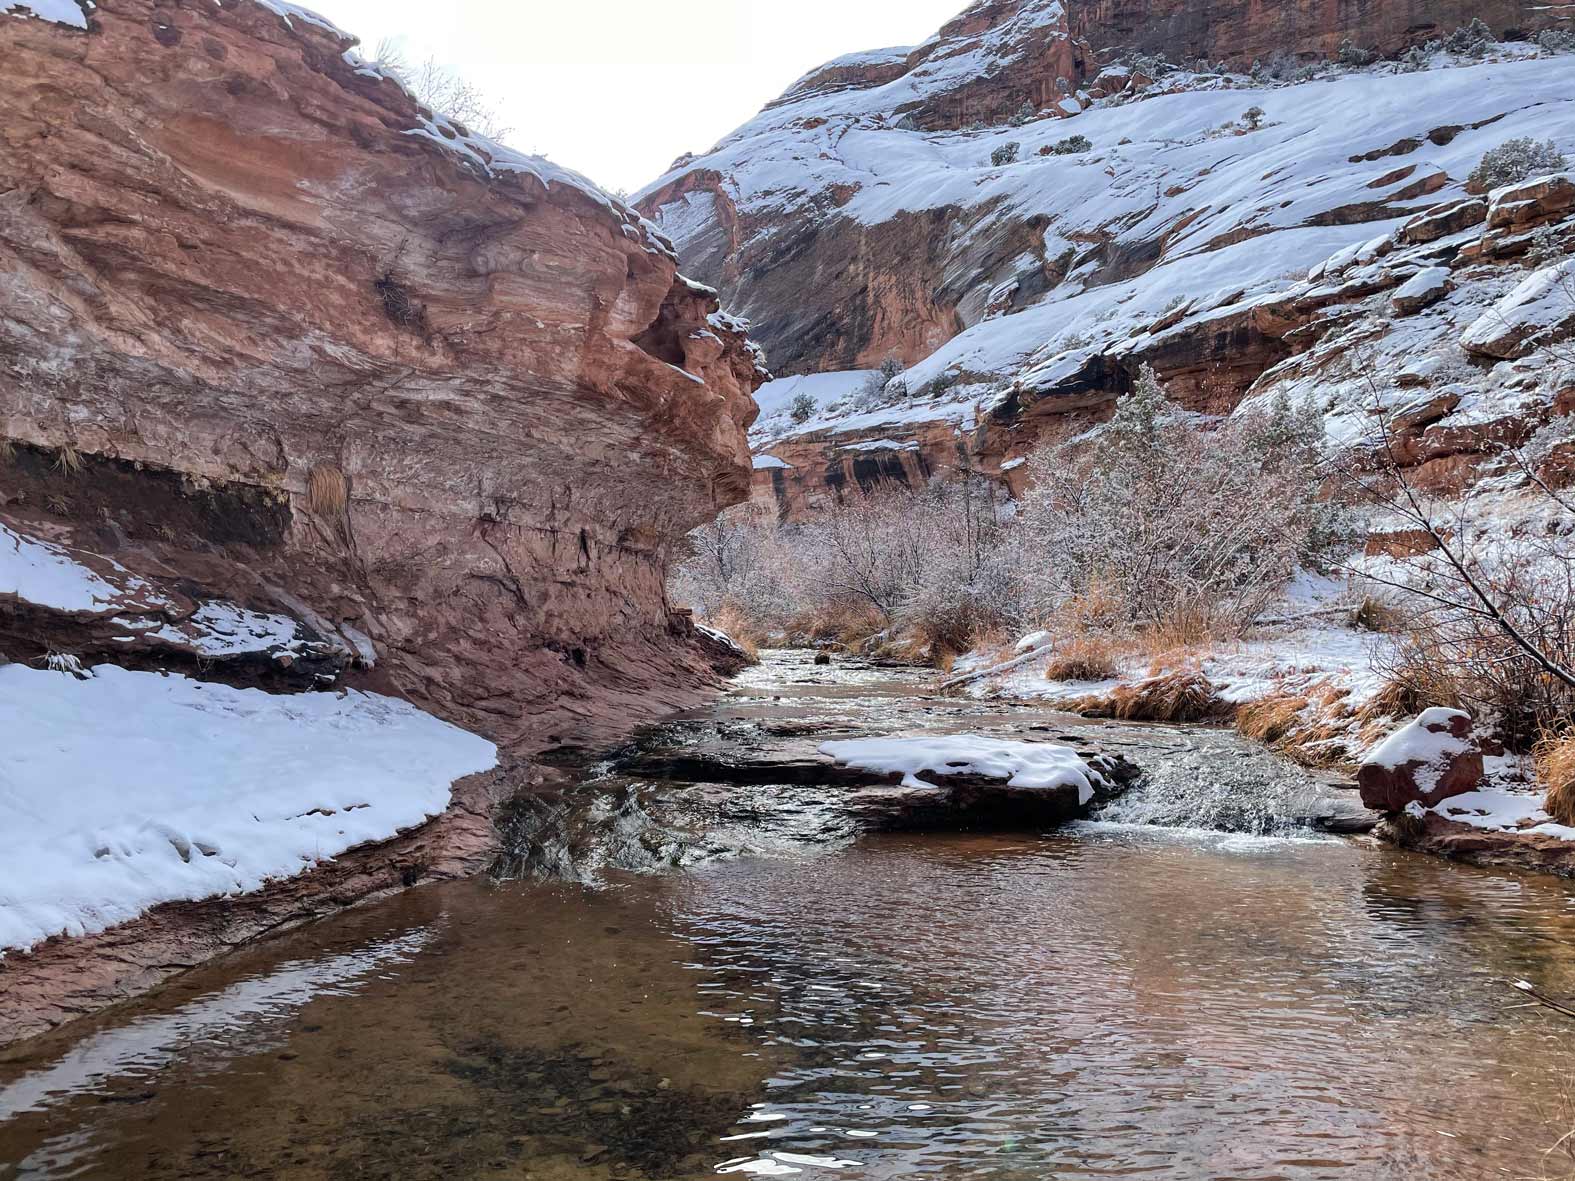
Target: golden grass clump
[[1176, 697], [1090, 656], [68, 460], [738, 627], [1271, 720], [327, 491], [1555, 763]]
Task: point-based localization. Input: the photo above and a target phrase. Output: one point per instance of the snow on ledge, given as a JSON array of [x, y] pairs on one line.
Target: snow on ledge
[[1498, 810], [130, 789], [1020, 764], [43, 573]]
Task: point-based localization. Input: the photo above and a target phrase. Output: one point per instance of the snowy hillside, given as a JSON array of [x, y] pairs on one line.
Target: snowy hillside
[[1019, 278]]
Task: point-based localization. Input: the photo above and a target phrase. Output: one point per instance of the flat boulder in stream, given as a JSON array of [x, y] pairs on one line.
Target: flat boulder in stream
[[925, 781]]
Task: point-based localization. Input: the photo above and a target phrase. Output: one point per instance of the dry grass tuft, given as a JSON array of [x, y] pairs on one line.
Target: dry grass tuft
[[1555, 762], [68, 460], [1176, 697], [7, 449], [1176, 640], [1377, 615], [1271, 720], [1087, 657], [327, 492], [739, 628]]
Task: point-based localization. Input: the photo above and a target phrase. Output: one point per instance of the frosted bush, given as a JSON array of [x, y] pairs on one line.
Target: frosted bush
[[1180, 522], [1516, 160], [1470, 40], [802, 409], [1005, 154], [1072, 145]]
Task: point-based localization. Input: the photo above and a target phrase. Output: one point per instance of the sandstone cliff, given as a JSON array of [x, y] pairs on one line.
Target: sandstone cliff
[[270, 331], [1241, 31], [304, 387]]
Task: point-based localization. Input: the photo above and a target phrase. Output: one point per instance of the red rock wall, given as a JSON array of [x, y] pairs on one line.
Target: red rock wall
[[223, 255], [1240, 30]]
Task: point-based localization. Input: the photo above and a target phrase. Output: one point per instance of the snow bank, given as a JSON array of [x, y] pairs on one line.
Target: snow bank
[[1502, 811], [127, 790], [1020, 764]]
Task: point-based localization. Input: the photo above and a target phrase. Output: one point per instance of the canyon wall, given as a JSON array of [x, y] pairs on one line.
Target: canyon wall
[[269, 331], [1241, 31], [1020, 267]]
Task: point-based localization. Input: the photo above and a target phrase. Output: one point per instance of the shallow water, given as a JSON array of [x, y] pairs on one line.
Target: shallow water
[[1116, 1000]]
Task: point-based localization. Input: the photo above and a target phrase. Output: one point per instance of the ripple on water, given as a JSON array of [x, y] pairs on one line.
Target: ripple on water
[[1118, 1000]]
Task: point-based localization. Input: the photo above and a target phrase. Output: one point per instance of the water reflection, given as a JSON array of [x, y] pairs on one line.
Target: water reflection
[[1112, 1002]]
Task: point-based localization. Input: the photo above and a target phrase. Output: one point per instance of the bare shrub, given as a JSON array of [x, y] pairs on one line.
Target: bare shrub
[[1196, 530], [1489, 611], [399, 305], [443, 92]]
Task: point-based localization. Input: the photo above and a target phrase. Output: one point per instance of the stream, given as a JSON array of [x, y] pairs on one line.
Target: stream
[[687, 980]]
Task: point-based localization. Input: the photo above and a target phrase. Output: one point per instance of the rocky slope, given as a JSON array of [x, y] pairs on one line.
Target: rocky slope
[[1240, 31], [1022, 282], [304, 387]]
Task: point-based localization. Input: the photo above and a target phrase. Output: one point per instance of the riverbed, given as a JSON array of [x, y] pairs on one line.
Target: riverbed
[[1130, 996]]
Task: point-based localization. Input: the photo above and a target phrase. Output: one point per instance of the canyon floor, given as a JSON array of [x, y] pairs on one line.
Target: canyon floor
[[1193, 982]]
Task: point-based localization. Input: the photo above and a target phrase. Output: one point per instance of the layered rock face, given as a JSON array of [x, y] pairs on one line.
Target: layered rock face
[[1023, 272], [1240, 31], [270, 332]]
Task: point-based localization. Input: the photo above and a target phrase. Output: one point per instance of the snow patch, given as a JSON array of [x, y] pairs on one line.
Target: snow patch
[[129, 789], [1020, 764]]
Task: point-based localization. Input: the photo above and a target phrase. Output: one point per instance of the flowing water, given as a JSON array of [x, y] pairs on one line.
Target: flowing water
[[1130, 997]]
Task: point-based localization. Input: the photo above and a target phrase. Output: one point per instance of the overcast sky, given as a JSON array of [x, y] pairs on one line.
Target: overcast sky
[[617, 88]]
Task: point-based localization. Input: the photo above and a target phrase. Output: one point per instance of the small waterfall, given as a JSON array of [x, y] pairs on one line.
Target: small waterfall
[[1215, 781]]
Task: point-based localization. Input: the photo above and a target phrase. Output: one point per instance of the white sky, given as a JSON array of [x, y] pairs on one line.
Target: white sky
[[617, 89]]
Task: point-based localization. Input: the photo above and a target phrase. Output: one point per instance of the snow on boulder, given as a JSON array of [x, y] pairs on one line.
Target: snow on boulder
[[1035, 765], [124, 790], [1541, 310], [1430, 760], [1422, 290]]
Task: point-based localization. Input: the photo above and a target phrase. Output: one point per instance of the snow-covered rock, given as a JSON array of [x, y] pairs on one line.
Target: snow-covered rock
[[1422, 290], [1424, 763], [1036, 765], [1541, 310]]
